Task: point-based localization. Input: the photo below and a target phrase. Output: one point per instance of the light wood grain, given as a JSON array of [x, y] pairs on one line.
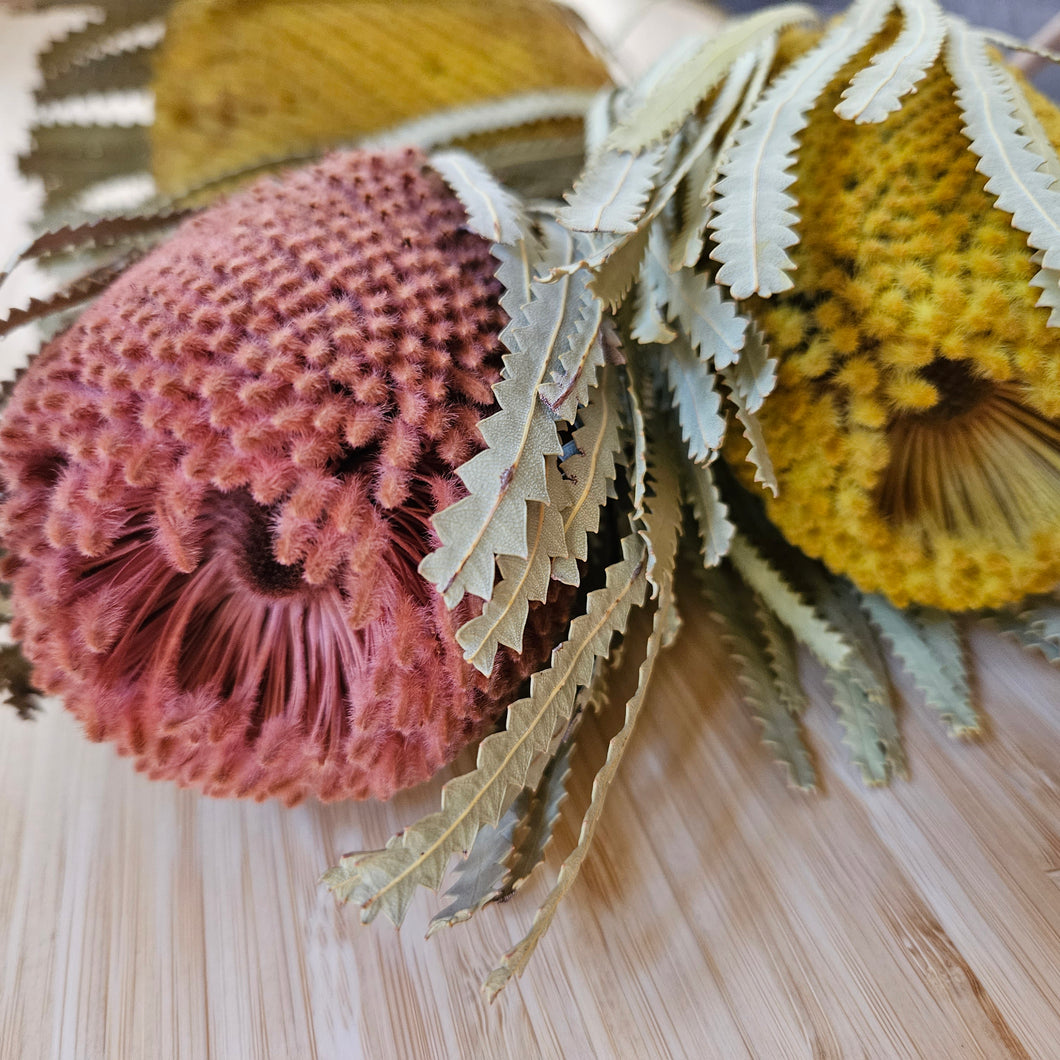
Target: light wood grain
[[720, 914]]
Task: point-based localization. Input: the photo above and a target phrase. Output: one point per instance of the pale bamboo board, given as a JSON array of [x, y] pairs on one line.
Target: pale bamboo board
[[720, 914]]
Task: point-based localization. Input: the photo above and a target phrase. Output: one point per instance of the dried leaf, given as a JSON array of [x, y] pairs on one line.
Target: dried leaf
[[752, 377], [712, 515], [687, 246], [418, 856], [944, 689], [80, 44], [614, 276], [611, 194], [493, 212], [801, 618], [753, 221], [589, 470], [877, 90], [859, 689], [580, 357], [709, 319], [653, 287], [765, 691], [120, 71], [459, 123], [95, 234], [69, 158], [698, 403], [503, 617], [536, 826], [1016, 174], [664, 540], [480, 876], [664, 103], [1027, 636], [1044, 618], [510, 471], [758, 455], [76, 293]]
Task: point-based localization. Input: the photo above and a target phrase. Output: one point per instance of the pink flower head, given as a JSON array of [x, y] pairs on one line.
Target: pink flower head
[[219, 484]]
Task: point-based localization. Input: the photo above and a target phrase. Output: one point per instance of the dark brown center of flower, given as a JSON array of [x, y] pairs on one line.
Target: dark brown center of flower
[[979, 461], [958, 388], [248, 529]]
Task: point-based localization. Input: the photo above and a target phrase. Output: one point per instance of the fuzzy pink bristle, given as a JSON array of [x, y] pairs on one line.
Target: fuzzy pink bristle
[[219, 485]]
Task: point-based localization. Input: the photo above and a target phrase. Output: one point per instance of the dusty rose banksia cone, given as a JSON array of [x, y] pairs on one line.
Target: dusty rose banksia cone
[[219, 484]]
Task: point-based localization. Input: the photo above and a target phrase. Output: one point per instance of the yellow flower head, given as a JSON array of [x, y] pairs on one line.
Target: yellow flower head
[[914, 427], [241, 81]]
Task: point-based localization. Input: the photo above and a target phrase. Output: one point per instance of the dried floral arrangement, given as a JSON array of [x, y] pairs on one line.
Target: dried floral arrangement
[[331, 465]]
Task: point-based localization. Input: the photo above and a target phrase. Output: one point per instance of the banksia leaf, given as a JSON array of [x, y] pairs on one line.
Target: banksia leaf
[[504, 616], [687, 245], [818, 634], [536, 826], [590, 471], [878, 88], [943, 680], [696, 400], [677, 92], [664, 548], [859, 688], [752, 378], [1014, 172], [612, 193], [769, 683], [493, 212], [418, 856], [491, 520], [712, 516], [754, 222], [1028, 636], [709, 319]]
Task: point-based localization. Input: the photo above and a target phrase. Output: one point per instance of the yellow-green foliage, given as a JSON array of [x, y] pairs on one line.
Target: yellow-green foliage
[[242, 81], [911, 426]]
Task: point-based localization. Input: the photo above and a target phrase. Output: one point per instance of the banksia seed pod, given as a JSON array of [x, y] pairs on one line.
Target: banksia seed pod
[[914, 424], [237, 83], [219, 484]]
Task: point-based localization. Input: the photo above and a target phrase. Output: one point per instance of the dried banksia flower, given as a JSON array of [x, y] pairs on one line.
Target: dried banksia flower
[[236, 83], [914, 426], [219, 484]]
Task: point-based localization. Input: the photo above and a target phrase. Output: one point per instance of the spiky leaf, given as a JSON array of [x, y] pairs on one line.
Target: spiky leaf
[[493, 212], [819, 635], [753, 221], [877, 90], [763, 690], [611, 194], [663, 104], [942, 680], [502, 478], [698, 403], [386, 881], [712, 515], [1015, 171]]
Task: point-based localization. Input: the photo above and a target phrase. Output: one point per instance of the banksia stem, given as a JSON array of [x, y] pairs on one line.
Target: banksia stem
[[914, 425], [219, 484]]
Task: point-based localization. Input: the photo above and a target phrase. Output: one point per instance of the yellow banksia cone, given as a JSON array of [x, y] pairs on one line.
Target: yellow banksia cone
[[242, 81], [914, 426]]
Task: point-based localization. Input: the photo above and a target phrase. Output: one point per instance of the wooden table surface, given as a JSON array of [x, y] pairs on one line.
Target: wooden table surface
[[720, 914]]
